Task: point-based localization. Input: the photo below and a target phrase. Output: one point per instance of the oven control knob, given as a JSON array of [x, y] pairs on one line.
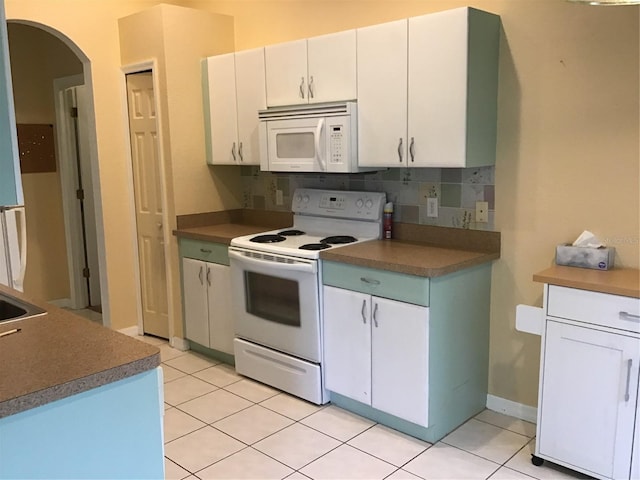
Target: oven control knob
[[305, 199], [369, 203], [359, 203], [298, 198]]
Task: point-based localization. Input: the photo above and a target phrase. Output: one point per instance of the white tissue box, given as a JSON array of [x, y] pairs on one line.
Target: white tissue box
[[585, 257]]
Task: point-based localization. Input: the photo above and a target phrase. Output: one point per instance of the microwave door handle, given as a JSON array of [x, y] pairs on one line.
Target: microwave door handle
[[319, 157], [287, 267]]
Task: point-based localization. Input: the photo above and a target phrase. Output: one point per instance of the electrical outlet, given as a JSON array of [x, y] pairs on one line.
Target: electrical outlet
[[279, 197], [482, 212], [432, 207]]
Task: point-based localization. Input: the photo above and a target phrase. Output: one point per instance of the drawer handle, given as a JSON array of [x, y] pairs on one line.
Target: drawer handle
[[205, 250], [626, 393], [370, 281], [629, 316], [364, 318], [375, 315]]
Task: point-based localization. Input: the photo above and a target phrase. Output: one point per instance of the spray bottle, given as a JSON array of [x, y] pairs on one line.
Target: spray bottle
[[387, 220]]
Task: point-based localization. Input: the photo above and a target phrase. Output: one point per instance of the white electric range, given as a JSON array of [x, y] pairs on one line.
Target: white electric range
[[277, 287]]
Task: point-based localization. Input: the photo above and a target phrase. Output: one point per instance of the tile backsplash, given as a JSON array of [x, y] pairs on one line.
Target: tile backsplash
[[457, 191]]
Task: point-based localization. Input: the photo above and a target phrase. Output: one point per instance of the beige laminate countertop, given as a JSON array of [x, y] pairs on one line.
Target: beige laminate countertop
[[220, 233], [412, 258], [619, 281], [60, 354], [419, 249]]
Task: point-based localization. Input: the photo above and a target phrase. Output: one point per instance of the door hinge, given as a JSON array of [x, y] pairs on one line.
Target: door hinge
[[80, 194], [85, 272], [73, 111]]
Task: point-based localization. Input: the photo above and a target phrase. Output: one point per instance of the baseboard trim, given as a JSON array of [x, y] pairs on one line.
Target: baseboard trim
[[61, 302], [513, 409], [131, 331], [181, 344]]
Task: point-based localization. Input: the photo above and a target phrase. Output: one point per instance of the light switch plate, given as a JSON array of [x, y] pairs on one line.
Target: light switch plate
[[432, 207], [482, 212]]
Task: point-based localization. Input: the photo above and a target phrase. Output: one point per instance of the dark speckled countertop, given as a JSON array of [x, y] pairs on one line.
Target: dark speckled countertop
[[60, 354]]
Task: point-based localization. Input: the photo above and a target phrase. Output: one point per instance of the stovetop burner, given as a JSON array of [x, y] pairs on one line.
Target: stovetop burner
[[291, 233], [314, 246], [268, 239], [338, 239]]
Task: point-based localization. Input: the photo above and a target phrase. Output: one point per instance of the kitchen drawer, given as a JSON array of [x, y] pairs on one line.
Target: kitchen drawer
[[382, 283], [207, 251], [612, 311]]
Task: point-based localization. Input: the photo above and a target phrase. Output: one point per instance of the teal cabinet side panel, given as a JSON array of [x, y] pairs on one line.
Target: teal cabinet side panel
[[206, 110], [10, 181], [381, 283], [114, 431], [458, 346], [206, 251]]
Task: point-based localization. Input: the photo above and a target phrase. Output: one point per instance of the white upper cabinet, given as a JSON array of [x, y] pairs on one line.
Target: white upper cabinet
[[10, 181], [314, 70], [382, 94], [236, 91], [450, 82], [332, 67], [250, 97]]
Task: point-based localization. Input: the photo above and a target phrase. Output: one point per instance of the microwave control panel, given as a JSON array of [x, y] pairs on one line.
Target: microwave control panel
[[337, 144]]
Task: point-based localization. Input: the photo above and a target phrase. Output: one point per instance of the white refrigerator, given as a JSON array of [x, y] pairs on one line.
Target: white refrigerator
[[13, 247]]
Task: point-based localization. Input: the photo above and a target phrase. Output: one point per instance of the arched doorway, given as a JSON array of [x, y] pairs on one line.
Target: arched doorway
[[52, 93]]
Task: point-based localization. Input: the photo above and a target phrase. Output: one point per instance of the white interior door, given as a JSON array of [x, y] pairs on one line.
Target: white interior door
[[88, 210], [148, 202]]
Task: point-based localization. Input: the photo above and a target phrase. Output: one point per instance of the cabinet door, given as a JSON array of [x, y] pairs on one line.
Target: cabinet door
[[332, 67], [286, 73], [437, 89], [635, 456], [400, 359], [347, 343], [251, 97], [10, 181], [588, 399], [222, 113], [382, 94], [221, 327], [194, 296]]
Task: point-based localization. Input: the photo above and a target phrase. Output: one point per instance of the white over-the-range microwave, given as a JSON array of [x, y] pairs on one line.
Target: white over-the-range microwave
[[310, 138]]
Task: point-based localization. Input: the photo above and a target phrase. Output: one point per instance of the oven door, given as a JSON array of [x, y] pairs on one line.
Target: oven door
[[276, 301]]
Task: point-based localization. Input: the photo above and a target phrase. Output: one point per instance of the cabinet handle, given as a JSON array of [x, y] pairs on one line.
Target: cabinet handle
[[240, 152], [375, 315], [626, 393], [200, 275], [364, 318], [370, 281], [233, 151], [208, 276], [412, 150], [311, 86], [302, 88], [629, 316], [205, 250], [400, 150]]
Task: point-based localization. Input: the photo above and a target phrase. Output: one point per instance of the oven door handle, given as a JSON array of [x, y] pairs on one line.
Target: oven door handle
[[305, 267]]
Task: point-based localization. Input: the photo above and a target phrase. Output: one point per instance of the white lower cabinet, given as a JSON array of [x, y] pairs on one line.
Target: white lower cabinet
[[588, 384], [376, 352], [207, 304]]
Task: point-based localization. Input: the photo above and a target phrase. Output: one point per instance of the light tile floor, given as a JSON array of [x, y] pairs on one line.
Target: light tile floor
[[220, 425]]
